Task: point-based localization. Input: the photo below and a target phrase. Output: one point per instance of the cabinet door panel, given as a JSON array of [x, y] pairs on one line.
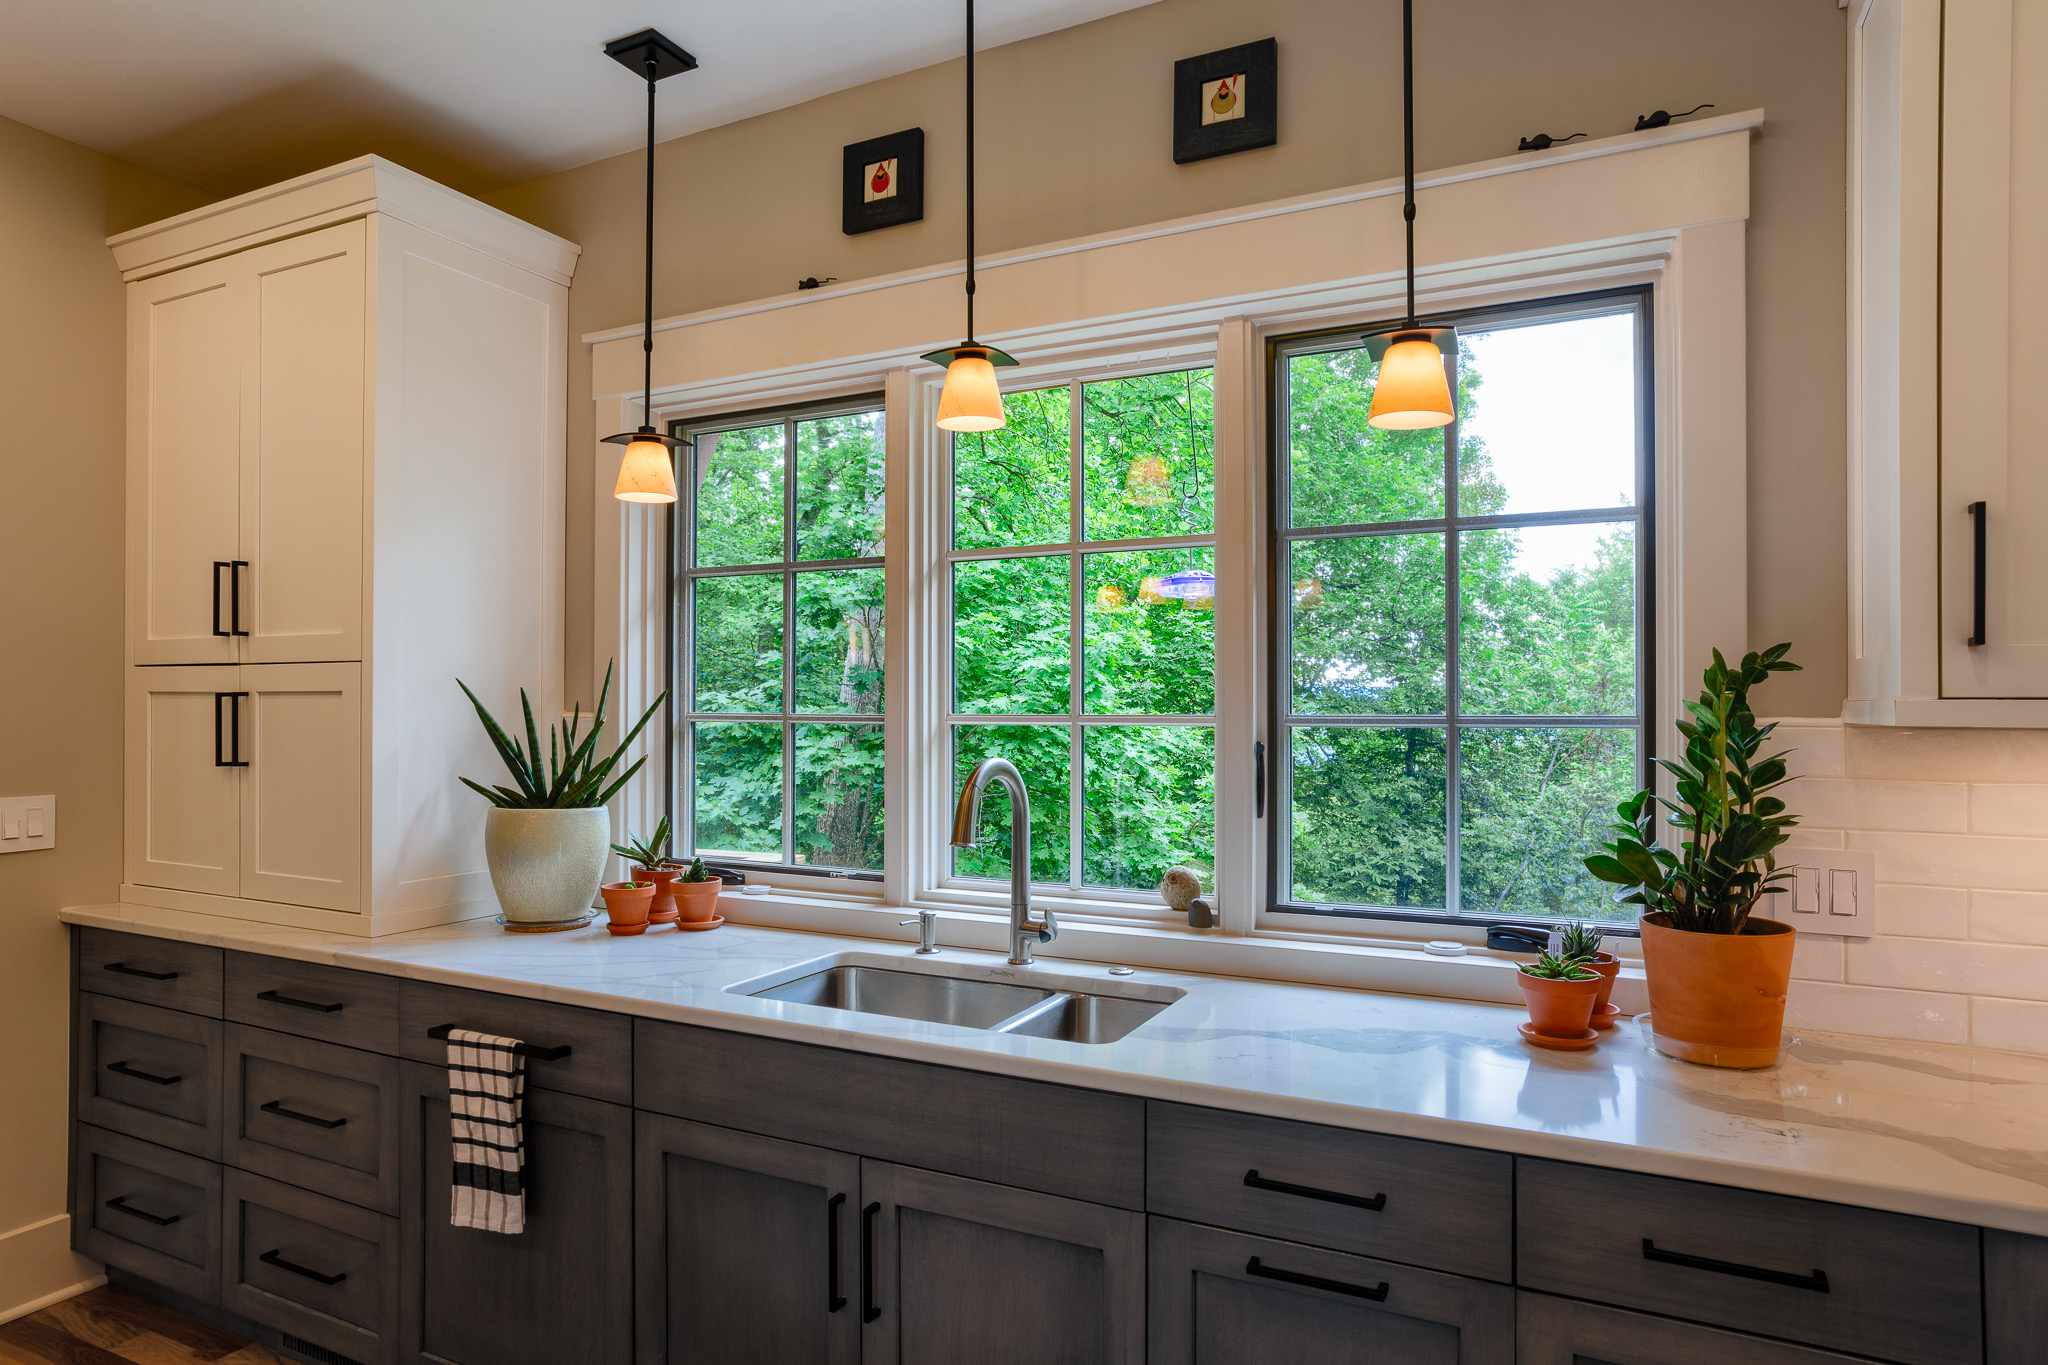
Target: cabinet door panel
[[302, 468], [185, 353], [1223, 1298], [301, 793], [560, 1291], [183, 827], [748, 1248], [2015, 1298], [1561, 1332], [960, 1270]]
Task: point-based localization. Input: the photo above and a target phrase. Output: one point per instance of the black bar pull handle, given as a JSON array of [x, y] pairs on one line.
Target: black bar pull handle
[[1817, 1281], [1259, 779], [1378, 1294], [869, 1310], [834, 1300], [277, 1259], [119, 1204], [218, 761], [233, 728], [1978, 517], [533, 1050], [235, 567], [126, 970], [277, 1107], [1254, 1180], [274, 998], [123, 1069], [218, 565]]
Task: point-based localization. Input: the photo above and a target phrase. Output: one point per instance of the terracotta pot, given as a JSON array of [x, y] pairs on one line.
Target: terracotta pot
[[699, 900], [1559, 1009], [1718, 999], [1609, 967], [664, 910], [626, 905]]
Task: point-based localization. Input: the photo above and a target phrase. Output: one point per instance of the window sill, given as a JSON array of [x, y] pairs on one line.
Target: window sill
[[1387, 965]]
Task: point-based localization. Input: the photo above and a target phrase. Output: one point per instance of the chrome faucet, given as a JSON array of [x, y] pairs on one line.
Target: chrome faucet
[[1024, 935]]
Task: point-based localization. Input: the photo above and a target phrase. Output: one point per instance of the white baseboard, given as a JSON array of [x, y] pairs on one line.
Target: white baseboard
[[37, 1263]]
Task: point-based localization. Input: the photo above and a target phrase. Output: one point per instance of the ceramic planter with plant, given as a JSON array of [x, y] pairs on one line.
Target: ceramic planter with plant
[[697, 895], [1560, 992], [1581, 942], [651, 863], [1717, 973], [545, 836], [626, 906]]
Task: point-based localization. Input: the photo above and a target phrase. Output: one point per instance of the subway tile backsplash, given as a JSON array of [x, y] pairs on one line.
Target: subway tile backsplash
[[1958, 822]]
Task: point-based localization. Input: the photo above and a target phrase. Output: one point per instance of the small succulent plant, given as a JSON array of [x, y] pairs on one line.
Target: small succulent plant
[[696, 872], [651, 852], [1552, 967], [1582, 941]]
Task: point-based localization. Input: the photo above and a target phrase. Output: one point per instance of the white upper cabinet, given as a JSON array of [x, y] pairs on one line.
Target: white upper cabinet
[[346, 424], [1948, 457]]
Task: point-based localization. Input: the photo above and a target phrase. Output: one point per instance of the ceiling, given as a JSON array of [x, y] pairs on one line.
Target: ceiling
[[230, 95]]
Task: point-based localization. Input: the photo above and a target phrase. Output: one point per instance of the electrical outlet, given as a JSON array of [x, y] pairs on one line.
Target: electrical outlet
[[1832, 891], [27, 822]]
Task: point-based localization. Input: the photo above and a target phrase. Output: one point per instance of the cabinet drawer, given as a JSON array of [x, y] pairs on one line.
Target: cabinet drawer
[[315, 1267], [1399, 1199], [155, 971], [599, 1062], [1880, 1284], [1221, 1296], [320, 1116], [1560, 1332], [332, 1004], [2015, 1298], [1051, 1138], [147, 1209], [151, 1073]]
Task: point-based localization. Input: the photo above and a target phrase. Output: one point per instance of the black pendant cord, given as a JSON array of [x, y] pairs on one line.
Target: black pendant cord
[[1408, 140], [970, 171], [647, 335]]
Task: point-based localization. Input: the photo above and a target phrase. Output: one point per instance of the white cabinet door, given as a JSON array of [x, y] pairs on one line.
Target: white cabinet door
[[183, 802], [185, 354], [302, 464], [302, 791], [1994, 347]]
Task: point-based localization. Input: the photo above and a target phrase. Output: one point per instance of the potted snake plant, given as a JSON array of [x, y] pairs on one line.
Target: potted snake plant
[[545, 836], [651, 863], [1717, 972]]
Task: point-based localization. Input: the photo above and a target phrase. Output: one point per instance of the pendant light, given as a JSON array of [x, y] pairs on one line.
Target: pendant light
[[647, 473], [970, 401], [1413, 391]]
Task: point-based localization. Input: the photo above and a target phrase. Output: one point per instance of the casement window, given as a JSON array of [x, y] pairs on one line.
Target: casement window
[[1460, 640]]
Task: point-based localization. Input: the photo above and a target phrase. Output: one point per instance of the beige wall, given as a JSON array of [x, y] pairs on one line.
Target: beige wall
[[1075, 138], [60, 644]]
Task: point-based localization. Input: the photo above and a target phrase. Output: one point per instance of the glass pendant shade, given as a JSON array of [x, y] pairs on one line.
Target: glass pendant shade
[[1412, 391], [971, 401], [647, 474], [1148, 482]]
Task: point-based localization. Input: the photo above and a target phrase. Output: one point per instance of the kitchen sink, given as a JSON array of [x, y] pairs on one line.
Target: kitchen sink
[[992, 999]]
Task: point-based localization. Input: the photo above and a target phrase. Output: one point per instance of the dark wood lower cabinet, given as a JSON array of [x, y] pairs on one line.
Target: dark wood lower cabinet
[[2015, 1298], [1564, 1332], [958, 1270], [1223, 1298], [560, 1291], [748, 1248]]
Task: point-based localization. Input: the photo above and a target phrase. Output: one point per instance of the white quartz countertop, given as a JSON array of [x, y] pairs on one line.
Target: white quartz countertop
[[1940, 1131]]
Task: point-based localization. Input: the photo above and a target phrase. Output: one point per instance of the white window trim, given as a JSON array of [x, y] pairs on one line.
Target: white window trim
[[1667, 208]]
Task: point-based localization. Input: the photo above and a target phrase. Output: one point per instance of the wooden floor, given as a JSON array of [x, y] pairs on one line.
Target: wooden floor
[[109, 1326]]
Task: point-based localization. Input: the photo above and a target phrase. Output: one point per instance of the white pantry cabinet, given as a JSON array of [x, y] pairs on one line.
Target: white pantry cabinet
[[345, 423], [1948, 335]]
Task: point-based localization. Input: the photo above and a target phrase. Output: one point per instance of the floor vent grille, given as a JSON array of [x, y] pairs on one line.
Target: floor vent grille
[[315, 1352]]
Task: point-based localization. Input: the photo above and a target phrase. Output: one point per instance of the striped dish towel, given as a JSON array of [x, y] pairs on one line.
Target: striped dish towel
[[486, 1104]]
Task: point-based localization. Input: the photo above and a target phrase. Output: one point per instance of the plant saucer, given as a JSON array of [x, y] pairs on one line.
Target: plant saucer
[[1578, 1044], [698, 925], [551, 926], [1606, 1015]]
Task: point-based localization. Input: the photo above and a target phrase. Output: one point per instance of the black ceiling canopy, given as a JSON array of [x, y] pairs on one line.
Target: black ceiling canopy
[[634, 51]]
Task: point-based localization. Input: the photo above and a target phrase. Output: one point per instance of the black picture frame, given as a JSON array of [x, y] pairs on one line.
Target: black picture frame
[[1259, 123], [860, 214]]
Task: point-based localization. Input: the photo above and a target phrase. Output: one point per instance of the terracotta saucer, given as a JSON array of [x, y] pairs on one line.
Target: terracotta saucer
[[625, 930], [1606, 1015], [695, 925], [1578, 1044]]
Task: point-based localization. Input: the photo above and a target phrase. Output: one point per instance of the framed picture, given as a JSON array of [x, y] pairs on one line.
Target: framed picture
[[1227, 101], [884, 182]]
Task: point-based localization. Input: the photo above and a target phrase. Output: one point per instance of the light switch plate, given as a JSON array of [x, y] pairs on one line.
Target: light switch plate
[[1832, 891], [27, 822]]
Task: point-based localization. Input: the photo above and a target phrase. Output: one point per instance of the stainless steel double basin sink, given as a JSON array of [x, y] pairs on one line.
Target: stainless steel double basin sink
[[994, 999]]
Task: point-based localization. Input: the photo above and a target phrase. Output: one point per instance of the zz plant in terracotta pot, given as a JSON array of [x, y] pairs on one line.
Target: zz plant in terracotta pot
[[1716, 971]]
